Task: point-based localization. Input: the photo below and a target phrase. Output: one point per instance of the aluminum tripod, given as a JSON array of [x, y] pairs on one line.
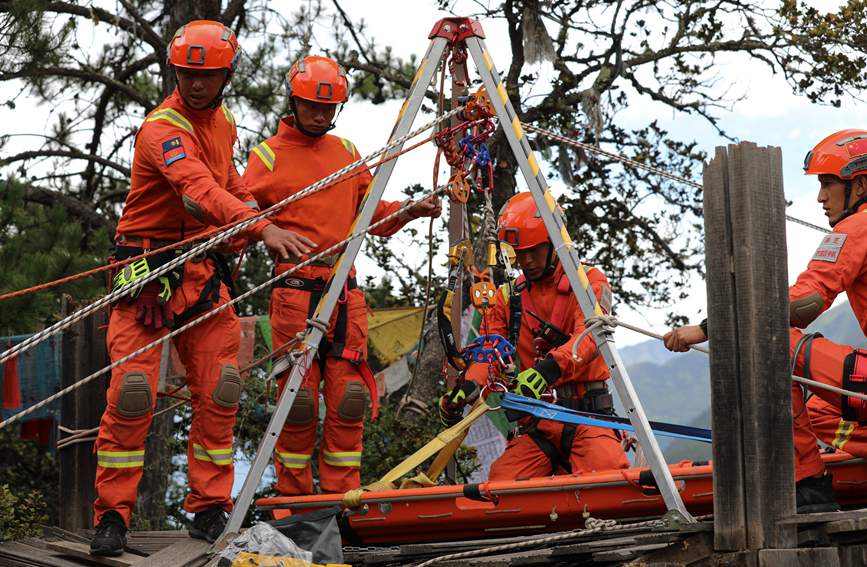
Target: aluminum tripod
[[446, 33]]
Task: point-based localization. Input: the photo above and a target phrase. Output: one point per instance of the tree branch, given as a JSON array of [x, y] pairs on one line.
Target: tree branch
[[82, 74], [76, 207], [74, 154], [93, 13]]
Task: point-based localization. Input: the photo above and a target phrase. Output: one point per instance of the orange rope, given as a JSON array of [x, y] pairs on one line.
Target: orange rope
[[203, 236]]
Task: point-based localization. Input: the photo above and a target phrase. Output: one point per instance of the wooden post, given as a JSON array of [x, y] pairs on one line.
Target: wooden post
[[748, 328], [84, 352]]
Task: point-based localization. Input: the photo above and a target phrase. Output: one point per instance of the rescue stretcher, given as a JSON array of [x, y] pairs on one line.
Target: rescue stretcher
[[538, 505]]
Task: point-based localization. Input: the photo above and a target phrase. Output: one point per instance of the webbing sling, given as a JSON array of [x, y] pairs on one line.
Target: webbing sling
[[352, 499], [545, 410]]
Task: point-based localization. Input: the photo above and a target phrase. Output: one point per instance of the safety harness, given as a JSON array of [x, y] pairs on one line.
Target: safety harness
[[335, 347], [854, 379], [548, 335], [210, 294]]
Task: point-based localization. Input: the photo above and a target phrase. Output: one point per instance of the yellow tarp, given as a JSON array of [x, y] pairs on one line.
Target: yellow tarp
[[394, 332]]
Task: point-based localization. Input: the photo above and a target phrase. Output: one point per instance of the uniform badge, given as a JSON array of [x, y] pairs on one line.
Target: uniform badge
[[830, 248], [173, 150]]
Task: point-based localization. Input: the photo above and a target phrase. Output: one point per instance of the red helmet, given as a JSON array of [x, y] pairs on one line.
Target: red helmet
[[318, 79], [520, 224], [204, 44], [843, 154]]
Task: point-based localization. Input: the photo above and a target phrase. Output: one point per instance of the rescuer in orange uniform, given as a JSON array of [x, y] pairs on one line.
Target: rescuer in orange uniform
[[838, 265], [550, 322], [183, 182], [300, 154]]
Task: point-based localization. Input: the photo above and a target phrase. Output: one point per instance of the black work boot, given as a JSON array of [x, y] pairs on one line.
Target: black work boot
[[208, 525], [110, 536], [816, 494]]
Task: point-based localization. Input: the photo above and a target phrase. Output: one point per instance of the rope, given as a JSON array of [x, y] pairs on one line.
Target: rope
[[645, 167], [198, 249], [599, 526], [209, 314], [611, 322]]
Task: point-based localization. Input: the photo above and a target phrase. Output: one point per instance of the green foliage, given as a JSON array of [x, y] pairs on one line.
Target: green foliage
[[38, 244], [21, 515], [390, 439], [28, 486]]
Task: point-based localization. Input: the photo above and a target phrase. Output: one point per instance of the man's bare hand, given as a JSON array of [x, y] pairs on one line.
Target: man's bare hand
[[430, 207], [285, 243], [679, 340]]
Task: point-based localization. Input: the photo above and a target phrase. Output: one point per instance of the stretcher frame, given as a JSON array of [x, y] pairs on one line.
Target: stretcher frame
[[445, 33]]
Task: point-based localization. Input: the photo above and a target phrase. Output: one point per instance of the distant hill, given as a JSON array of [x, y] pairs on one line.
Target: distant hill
[[675, 387]]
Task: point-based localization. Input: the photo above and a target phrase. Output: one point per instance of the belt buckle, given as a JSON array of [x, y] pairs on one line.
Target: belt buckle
[[344, 294]]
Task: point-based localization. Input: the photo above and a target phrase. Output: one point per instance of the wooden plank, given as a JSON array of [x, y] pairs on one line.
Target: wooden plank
[[20, 554], [82, 551], [850, 525], [180, 554], [84, 351], [853, 555], [729, 519], [822, 517], [695, 548], [761, 287], [804, 557], [627, 553]]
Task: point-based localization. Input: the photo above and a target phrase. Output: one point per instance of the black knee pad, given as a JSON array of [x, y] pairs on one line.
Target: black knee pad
[[134, 399], [228, 390], [303, 410], [353, 402]]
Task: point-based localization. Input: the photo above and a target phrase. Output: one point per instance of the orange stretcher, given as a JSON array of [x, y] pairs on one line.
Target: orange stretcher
[[538, 505]]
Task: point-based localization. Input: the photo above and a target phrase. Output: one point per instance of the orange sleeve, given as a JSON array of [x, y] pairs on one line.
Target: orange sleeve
[[496, 323], [837, 262], [562, 355], [180, 161]]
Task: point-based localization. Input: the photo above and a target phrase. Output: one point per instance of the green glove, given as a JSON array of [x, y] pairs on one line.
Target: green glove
[[535, 381]]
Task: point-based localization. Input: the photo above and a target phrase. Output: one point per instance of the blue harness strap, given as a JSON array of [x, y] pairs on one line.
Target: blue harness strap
[[553, 412]]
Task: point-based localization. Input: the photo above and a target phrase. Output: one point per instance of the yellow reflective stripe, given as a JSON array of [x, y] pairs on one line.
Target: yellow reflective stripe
[[504, 289], [345, 459], [501, 89], [230, 118], [844, 430], [350, 147], [293, 460], [534, 165], [120, 453], [516, 126], [216, 456], [120, 459], [173, 117], [488, 61], [266, 154], [418, 73]]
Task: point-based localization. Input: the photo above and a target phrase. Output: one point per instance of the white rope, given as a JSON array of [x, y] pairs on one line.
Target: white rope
[[199, 248], [639, 165], [598, 526], [211, 313], [609, 321]]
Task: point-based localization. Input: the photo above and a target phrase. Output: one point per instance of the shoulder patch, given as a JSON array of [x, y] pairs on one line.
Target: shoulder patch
[[266, 154], [173, 150], [829, 249]]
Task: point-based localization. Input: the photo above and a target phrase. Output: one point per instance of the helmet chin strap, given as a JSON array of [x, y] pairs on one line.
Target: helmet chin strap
[[849, 210], [550, 264], [312, 133], [218, 100]]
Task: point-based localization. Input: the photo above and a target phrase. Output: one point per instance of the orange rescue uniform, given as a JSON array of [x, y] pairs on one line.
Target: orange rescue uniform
[[278, 168], [592, 448], [837, 266], [183, 181]]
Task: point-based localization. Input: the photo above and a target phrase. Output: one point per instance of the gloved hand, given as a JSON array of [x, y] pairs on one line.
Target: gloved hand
[[152, 302], [451, 405], [535, 381]]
